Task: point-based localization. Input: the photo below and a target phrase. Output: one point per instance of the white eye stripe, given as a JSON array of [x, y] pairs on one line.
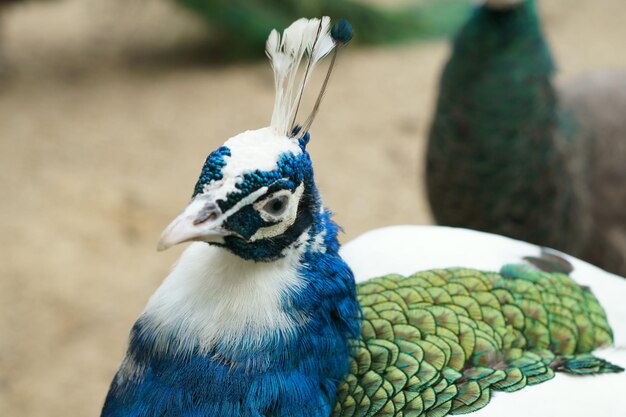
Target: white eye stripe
[[285, 220]]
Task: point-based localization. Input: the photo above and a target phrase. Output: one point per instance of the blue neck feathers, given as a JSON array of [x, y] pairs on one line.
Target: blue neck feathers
[[293, 374]]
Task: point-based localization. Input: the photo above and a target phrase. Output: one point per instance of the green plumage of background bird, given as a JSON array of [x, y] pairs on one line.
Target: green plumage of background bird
[[443, 341], [242, 26], [512, 154]]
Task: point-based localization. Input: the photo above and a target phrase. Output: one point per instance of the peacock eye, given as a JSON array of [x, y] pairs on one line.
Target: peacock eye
[[276, 206]]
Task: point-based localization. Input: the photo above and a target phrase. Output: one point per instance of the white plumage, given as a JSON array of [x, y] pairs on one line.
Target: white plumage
[[212, 296]]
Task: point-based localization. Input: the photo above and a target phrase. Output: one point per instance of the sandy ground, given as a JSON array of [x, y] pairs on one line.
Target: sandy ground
[[104, 125]]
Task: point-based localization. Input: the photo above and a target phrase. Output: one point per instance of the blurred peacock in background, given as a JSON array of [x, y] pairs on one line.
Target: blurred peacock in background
[[511, 153], [241, 26]]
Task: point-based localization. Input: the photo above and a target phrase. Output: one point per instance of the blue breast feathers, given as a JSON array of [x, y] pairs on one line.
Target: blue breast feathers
[[287, 375]]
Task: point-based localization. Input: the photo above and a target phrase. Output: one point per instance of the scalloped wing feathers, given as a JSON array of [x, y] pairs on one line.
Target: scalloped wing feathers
[[442, 341]]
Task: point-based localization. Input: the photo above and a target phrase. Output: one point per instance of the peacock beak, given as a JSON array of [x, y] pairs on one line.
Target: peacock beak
[[202, 220]]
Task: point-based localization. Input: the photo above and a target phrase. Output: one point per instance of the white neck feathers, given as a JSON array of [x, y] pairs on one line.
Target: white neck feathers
[[212, 296]]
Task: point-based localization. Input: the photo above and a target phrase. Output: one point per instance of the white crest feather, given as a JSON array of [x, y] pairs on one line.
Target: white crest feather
[[293, 59]]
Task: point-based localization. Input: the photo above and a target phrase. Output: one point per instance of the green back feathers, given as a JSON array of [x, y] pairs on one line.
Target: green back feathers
[[495, 161], [442, 341]]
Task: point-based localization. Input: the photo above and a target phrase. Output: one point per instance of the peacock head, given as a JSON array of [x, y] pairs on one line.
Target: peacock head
[[256, 194]]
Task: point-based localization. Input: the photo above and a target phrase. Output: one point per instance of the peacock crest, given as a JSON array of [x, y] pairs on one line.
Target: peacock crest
[[294, 57]]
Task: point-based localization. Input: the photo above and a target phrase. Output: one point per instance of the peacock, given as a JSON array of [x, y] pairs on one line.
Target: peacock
[[264, 314], [510, 153]]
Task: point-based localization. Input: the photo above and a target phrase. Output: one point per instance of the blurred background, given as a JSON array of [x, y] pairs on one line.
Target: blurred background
[[107, 112]]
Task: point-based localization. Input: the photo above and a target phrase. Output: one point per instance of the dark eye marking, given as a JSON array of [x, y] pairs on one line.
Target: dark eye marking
[[276, 206]]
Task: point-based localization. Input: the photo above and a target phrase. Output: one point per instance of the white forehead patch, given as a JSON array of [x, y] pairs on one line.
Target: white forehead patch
[[250, 151], [257, 150]]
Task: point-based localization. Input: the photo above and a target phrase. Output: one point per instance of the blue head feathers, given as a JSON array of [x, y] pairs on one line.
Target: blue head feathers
[[255, 196], [258, 315]]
